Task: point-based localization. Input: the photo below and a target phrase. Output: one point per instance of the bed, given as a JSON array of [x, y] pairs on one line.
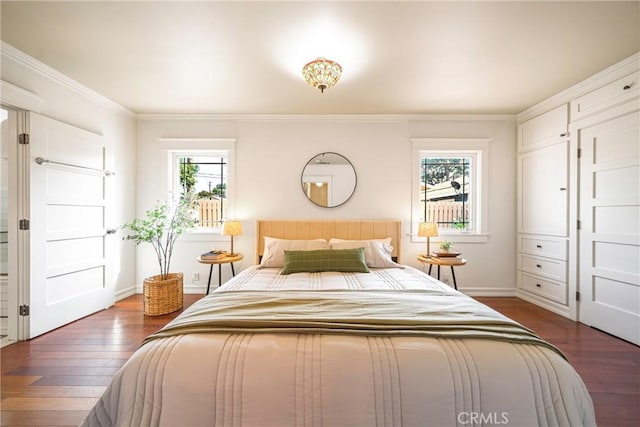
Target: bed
[[379, 344]]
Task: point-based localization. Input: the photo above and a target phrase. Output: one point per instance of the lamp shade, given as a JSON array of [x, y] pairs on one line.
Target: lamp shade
[[232, 228], [427, 229]]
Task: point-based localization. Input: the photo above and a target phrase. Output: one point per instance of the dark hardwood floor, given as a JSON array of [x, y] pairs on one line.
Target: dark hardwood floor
[[609, 367], [55, 379]]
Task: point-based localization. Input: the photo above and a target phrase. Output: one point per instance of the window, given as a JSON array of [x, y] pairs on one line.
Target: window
[[204, 177], [203, 169], [447, 193], [450, 186]]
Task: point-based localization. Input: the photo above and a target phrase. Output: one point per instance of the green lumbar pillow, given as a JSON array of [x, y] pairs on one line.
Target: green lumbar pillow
[[343, 260]]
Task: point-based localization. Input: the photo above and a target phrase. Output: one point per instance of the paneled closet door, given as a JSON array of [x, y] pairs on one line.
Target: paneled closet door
[[543, 175], [610, 234], [70, 252]]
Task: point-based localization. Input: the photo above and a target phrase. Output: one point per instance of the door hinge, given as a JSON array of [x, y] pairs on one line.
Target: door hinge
[[23, 138], [23, 224], [24, 310], [577, 295], [579, 225], [579, 152]]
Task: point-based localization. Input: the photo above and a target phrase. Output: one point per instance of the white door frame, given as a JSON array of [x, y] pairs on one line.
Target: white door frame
[[19, 101], [13, 330], [22, 236]]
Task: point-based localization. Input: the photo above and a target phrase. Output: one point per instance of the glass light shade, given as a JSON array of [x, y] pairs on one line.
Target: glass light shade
[[322, 73], [427, 229]]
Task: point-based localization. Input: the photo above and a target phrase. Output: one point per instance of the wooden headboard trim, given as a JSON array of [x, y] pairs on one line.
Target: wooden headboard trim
[[327, 229]]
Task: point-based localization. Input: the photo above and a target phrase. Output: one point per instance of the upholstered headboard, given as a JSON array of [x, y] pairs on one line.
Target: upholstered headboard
[[326, 229]]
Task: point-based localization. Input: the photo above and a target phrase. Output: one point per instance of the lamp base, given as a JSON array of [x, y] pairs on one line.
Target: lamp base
[[232, 253]]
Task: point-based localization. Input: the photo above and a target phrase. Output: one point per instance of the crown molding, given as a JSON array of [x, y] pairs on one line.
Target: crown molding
[[343, 118], [11, 53]]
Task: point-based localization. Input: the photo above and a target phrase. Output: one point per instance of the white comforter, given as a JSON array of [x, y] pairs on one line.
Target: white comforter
[[300, 379]]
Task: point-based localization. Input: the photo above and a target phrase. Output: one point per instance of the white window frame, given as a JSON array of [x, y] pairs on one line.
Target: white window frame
[[478, 148], [181, 147]]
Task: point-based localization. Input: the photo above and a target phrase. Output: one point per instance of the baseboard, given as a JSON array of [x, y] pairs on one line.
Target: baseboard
[[124, 293], [196, 289], [187, 289], [488, 292], [546, 304]]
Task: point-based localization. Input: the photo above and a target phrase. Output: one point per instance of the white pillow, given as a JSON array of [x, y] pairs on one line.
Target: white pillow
[[273, 255], [377, 252]]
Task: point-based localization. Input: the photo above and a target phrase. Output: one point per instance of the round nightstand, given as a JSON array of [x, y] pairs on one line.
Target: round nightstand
[[440, 261], [229, 259]]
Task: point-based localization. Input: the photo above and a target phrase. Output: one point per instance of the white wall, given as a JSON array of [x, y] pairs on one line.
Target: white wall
[[271, 153], [31, 85]]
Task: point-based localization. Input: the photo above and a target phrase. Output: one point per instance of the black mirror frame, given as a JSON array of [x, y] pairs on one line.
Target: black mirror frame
[[355, 176]]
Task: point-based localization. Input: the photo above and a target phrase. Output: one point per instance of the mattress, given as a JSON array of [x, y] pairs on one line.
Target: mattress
[[389, 347]]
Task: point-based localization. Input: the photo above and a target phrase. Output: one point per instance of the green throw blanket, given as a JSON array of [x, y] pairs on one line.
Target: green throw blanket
[[379, 312]]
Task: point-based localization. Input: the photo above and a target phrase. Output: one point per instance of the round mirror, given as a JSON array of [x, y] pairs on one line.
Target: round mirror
[[328, 180]]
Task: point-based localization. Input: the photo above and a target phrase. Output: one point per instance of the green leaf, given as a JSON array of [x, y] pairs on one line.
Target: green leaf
[[161, 227]]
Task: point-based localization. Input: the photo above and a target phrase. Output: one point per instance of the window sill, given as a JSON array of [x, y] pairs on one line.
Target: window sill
[[453, 238], [204, 235]]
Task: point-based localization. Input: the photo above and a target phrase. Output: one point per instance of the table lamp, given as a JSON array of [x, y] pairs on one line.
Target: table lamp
[[232, 228], [428, 230]]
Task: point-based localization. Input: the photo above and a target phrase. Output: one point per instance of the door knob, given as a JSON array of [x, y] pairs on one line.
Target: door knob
[[111, 231]]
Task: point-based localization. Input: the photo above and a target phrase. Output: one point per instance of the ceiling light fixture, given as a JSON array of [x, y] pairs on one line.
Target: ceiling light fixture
[[322, 73]]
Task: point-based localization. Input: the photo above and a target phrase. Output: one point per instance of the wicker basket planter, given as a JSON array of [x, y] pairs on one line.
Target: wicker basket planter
[[162, 296]]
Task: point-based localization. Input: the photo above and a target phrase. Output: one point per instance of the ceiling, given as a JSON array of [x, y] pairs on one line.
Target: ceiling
[[237, 57]]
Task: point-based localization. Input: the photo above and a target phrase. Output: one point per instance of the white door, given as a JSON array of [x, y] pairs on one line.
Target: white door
[[70, 261], [610, 218]]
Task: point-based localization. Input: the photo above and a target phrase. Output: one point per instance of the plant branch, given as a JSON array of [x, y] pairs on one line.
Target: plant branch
[[161, 227]]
